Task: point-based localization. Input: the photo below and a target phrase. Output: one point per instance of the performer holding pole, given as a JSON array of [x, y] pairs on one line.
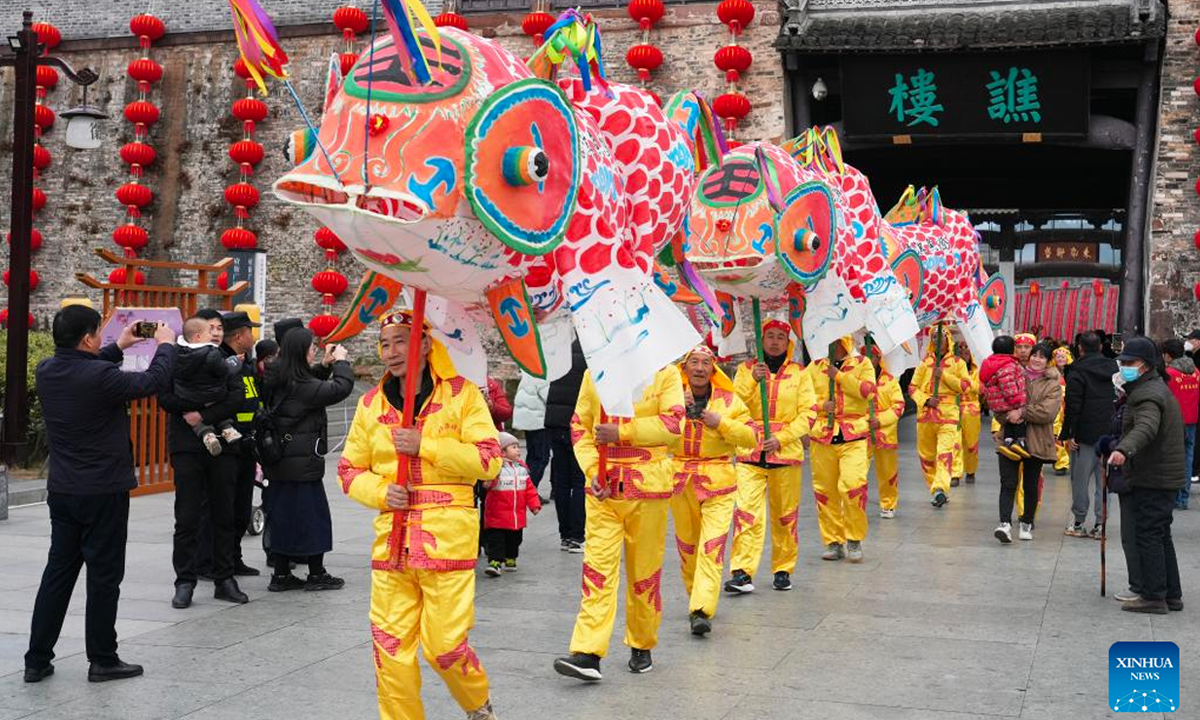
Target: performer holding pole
[[839, 450], [935, 386], [772, 472], [717, 428], [419, 472], [626, 510], [887, 407]]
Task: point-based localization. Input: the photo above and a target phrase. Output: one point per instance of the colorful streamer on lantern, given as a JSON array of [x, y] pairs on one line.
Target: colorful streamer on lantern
[[258, 42], [573, 35], [399, 15]]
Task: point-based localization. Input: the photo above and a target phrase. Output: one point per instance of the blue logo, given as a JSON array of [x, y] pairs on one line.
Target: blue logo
[[1143, 677]]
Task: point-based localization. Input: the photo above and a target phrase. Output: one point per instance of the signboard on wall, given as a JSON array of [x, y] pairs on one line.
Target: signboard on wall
[[970, 94], [1080, 252], [251, 266]]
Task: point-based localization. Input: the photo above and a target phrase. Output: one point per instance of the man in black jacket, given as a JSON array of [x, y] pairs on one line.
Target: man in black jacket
[[1088, 407], [1151, 452], [566, 478], [84, 394], [203, 480]]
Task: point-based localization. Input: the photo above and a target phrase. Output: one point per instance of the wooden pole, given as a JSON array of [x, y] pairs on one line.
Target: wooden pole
[[1104, 531], [764, 396]]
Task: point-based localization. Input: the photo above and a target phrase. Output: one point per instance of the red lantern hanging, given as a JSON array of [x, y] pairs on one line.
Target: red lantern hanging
[[246, 152], [131, 237], [1098, 288], [47, 35], [39, 199], [731, 107], [1066, 285], [141, 112], [241, 70], [733, 60], [250, 109], [47, 77], [646, 12], [134, 194], [346, 61], [1035, 288], [322, 325], [4, 319], [242, 195], [147, 28], [34, 279], [328, 241], [1196, 291], [645, 59], [330, 282], [737, 14], [138, 153], [451, 19], [350, 19], [239, 238], [223, 281], [118, 277], [43, 117], [35, 239], [145, 70], [536, 24], [41, 156]]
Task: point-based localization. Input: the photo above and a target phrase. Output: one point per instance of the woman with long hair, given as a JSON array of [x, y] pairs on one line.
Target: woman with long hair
[[299, 521]]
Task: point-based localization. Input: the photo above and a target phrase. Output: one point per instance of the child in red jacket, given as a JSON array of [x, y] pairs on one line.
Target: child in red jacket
[[1003, 387], [508, 496]]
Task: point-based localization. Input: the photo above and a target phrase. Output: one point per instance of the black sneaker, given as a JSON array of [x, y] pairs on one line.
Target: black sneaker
[[939, 499], [954, 482], [783, 581], [581, 666], [969, 479], [283, 583], [701, 625], [241, 569], [324, 581], [740, 584], [33, 675], [119, 671], [565, 545], [640, 661], [576, 547]]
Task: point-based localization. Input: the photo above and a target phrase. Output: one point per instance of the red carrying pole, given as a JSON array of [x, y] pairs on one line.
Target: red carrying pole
[[602, 451], [411, 375]]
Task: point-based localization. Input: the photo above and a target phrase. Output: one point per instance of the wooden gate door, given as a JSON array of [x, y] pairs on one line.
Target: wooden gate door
[[147, 423]]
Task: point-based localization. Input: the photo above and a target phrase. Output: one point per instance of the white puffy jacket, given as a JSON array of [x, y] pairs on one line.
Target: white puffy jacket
[[529, 405]]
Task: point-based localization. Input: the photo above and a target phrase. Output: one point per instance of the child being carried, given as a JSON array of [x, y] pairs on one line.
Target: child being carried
[[1003, 384], [202, 378]]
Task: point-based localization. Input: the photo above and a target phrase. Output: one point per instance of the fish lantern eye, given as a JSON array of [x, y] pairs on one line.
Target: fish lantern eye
[[807, 241], [993, 302], [525, 165]]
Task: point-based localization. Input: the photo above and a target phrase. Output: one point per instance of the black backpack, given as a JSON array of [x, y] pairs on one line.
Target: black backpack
[[269, 438]]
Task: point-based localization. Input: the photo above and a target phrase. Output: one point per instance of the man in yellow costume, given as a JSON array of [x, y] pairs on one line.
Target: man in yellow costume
[[626, 507], [844, 385], [1062, 462], [771, 474], [885, 410], [426, 533], [939, 380], [966, 461], [717, 428]]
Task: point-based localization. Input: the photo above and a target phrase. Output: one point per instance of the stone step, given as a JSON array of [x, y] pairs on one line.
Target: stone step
[[26, 492]]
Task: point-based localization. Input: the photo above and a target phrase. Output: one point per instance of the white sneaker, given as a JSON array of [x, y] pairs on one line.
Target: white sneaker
[[1004, 533], [1026, 531], [483, 713], [887, 514], [231, 435], [1195, 479], [212, 444]]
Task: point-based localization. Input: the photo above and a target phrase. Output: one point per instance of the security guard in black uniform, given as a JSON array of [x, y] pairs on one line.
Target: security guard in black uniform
[[239, 342]]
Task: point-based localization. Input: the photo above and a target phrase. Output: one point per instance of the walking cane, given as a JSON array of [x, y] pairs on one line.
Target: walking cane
[[1103, 529]]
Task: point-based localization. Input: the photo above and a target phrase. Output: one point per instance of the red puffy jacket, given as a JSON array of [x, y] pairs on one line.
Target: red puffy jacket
[[501, 408], [509, 496], [1186, 389]]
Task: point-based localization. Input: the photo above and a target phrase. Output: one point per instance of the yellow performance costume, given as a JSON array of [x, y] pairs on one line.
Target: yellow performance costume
[[634, 516], [840, 458], [937, 427], [705, 486], [423, 558], [774, 479], [888, 406], [970, 421]]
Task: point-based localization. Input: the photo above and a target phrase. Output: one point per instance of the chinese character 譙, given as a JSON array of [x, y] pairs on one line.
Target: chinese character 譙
[[1013, 96]]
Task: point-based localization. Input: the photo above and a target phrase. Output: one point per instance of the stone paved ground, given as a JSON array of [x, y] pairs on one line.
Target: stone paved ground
[[940, 623]]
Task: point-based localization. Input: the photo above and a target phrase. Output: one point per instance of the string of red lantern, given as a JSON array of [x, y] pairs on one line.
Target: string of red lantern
[[733, 60], [645, 57], [246, 153], [1196, 135], [450, 17], [43, 119], [134, 195], [537, 22]]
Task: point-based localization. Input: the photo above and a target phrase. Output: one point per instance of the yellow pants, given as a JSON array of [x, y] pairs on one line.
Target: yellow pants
[[640, 526], [756, 487], [840, 486], [701, 529], [969, 440], [937, 444], [1063, 460], [434, 610], [887, 475]]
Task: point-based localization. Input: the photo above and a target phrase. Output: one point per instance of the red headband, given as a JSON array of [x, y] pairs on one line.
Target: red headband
[[1025, 339], [777, 325]]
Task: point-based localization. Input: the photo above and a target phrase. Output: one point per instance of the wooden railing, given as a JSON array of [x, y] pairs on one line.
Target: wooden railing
[[147, 423]]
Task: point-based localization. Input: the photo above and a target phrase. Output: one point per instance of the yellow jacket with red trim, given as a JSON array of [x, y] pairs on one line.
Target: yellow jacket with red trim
[[853, 388], [638, 462], [790, 398], [459, 445], [889, 408], [969, 400], [955, 381], [705, 455]]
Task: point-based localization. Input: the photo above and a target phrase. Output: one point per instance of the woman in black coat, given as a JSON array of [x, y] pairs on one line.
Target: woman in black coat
[[299, 521]]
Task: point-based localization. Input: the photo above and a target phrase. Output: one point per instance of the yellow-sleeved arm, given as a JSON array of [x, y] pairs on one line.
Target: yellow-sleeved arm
[[666, 425], [735, 428], [956, 379], [806, 399], [920, 386], [745, 386], [889, 403], [475, 454], [857, 381], [583, 428], [354, 472]]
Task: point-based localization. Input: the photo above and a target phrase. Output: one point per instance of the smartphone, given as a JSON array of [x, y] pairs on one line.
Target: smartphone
[[144, 329]]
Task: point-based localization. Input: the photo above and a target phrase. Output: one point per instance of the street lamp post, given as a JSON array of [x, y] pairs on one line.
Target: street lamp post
[[24, 56]]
